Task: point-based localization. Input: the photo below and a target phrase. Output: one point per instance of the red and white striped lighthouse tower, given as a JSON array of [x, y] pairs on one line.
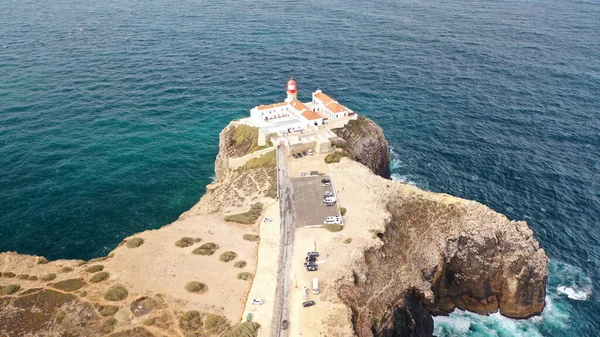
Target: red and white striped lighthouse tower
[[292, 90]]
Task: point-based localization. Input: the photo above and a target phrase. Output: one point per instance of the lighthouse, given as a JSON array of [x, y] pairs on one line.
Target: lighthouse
[[292, 90]]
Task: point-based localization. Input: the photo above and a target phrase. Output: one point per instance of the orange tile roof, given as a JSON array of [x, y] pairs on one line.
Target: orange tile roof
[[311, 115], [323, 98], [271, 106], [299, 106], [336, 108]]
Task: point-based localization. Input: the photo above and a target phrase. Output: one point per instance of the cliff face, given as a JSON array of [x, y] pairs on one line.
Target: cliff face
[[439, 253], [365, 142]]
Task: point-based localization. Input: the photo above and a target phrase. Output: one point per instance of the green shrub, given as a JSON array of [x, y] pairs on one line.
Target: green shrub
[[9, 275], [109, 325], [108, 310], [208, 248], [244, 276], [214, 322], [23, 277], [333, 227], [142, 306], [266, 160], [348, 240], [186, 242], [196, 287], [116, 294], [49, 277], [69, 285], [149, 321], [227, 256], [66, 269], [33, 278], [95, 269], [240, 264], [342, 211], [82, 293], [245, 329], [251, 237], [335, 157], [99, 277], [249, 217], [10, 289], [135, 242], [191, 320]]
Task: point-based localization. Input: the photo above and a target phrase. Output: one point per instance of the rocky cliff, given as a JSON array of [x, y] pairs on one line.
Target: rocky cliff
[[366, 143], [438, 253]]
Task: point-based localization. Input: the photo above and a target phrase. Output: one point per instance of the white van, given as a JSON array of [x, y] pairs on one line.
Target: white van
[[333, 220], [315, 286]]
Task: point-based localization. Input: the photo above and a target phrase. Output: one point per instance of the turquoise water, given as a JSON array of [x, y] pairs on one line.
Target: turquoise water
[[110, 114]]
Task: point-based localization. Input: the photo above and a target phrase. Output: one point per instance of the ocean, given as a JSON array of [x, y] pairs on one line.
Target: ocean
[[110, 114]]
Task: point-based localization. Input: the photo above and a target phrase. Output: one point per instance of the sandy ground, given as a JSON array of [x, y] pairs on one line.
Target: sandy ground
[[265, 282]]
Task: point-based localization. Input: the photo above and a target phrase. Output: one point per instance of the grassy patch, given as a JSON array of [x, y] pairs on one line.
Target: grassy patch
[[240, 264], [99, 277], [66, 270], [348, 240], [11, 289], [335, 157], [23, 277], [208, 248], [33, 278], [186, 242], [116, 294], [244, 276], [245, 329], [249, 217], [108, 310], [49, 277], [266, 160], [251, 237], [333, 227], [196, 287], [214, 322], [227, 256], [190, 321], [149, 321], [69, 285], [343, 211], [9, 275], [109, 325], [95, 268], [142, 306], [135, 242]]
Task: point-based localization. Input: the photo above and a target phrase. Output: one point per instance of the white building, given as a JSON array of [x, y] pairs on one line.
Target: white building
[[324, 104]]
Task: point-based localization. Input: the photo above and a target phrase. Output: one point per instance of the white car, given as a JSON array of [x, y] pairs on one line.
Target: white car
[[268, 219], [258, 301], [310, 151], [329, 200], [333, 220]]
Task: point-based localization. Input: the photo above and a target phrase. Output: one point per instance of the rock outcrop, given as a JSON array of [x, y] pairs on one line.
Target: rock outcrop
[[366, 143], [439, 253]]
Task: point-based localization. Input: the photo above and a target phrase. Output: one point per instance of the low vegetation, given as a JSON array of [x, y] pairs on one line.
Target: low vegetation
[[240, 264], [244, 276], [135, 242], [149, 321], [116, 294], [196, 287], [342, 211], [245, 139], [95, 268], [245, 329], [109, 325], [251, 237], [186, 242], [108, 310], [208, 248], [190, 321], [266, 160], [11, 289], [99, 277], [214, 323], [142, 306], [227, 256], [23, 277], [335, 157], [249, 217], [49, 277], [9, 275], [69, 285], [348, 240], [66, 269], [333, 227]]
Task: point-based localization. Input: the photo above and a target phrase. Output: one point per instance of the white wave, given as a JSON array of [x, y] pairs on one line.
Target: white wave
[[579, 295], [464, 323]]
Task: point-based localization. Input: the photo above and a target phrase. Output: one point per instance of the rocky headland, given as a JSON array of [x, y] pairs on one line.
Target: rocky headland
[[415, 254]]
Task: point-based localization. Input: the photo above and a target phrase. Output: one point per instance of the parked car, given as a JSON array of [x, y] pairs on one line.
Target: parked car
[[309, 263], [329, 199], [304, 153], [329, 203], [284, 324], [325, 180], [312, 254], [310, 151], [267, 219], [328, 194], [327, 184], [311, 258], [295, 156], [258, 301], [308, 304], [312, 267], [299, 155], [333, 220]]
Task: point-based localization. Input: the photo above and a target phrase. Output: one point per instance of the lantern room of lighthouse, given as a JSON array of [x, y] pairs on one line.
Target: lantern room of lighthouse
[[292, 90]]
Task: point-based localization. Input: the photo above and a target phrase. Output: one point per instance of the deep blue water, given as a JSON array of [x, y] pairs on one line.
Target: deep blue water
[[110, 113]]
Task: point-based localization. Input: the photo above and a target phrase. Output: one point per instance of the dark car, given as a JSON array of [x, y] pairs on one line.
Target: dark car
[[295, 156], [312, 254], [325, 181], [284, 324], [308, 304], [310, 263], [312, 267], [311, 258], [329, 204], [299, 155], [304, 153]]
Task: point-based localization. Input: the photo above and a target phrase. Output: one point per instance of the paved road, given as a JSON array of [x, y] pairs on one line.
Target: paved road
[[281, 312]]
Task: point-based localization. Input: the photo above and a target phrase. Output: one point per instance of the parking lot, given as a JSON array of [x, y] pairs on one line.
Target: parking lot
[[307, 201]]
